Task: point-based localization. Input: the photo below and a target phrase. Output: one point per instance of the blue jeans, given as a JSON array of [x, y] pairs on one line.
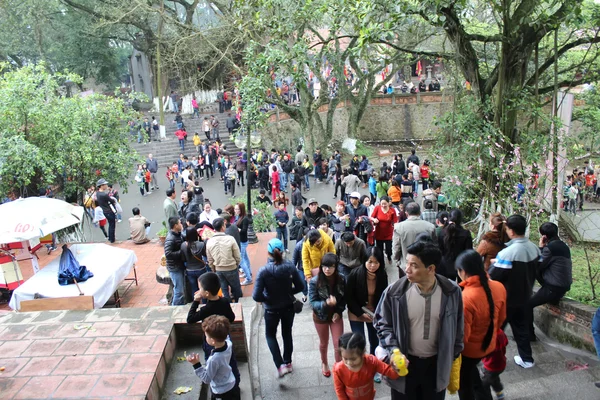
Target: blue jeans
[[245, 264], [596, 331], [196, 113], [344, 271], [182, 144], [306, 183], [178, 287], [179, 125], [272, 318], [192, 277], [303, 279], [359, 327], [230, 279], [175, 106], [282, 234], [284, 180]]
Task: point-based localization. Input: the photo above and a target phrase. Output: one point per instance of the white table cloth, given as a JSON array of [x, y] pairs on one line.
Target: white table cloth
[[110, 266]]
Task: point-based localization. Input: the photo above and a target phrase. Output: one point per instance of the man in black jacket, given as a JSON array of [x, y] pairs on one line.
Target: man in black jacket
[[318, 159], [554, 271], [263, 176], [312, 214], [175, 261], [413, 158], [107, 204], [297, 198], [286, 165]]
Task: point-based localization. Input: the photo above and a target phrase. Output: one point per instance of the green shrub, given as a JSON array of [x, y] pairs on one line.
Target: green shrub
[[264, 219]]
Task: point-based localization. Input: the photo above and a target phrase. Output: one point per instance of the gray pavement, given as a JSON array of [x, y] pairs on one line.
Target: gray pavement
[[561, 372], [151, 205]]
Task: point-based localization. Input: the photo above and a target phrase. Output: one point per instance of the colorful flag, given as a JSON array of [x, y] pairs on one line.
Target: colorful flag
[[419, 68]]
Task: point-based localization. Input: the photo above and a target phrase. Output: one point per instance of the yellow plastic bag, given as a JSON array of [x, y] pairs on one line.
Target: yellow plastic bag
[[454, 383]]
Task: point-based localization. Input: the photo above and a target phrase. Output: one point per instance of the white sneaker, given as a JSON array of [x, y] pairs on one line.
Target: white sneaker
[[523, 364]]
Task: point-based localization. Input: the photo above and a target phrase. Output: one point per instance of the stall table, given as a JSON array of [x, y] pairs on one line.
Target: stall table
[[110, 265]]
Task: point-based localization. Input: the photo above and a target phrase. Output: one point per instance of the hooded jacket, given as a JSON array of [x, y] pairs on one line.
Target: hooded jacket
[[311, 255], [310, 220], [489, 247], [555, 268], [393, 327], [276, 285], [192, 254]]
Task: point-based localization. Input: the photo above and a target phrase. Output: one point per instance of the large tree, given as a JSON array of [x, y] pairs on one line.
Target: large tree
[[320, 45], [197, 42], [515, 54], [63, 38], [49, 139]]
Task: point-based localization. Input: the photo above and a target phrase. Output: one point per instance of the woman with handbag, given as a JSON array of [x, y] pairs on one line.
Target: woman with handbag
[[194, 252], [275, 286], [326, 294]]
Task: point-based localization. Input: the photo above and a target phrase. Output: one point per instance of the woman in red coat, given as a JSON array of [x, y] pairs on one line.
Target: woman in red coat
[[384, 218]]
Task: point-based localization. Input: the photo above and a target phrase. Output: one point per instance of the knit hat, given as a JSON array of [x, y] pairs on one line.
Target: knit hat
[[275, 244]]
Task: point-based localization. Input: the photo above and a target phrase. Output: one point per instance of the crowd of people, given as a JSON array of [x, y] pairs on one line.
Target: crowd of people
[[450, 300]]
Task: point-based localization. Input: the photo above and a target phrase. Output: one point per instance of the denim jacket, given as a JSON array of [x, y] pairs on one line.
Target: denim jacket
[[319, 296]]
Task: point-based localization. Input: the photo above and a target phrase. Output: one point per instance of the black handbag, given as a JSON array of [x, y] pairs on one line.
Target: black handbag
[[298, 305]]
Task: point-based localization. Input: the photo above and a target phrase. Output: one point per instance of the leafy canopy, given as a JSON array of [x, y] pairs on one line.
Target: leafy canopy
[[49, 139]]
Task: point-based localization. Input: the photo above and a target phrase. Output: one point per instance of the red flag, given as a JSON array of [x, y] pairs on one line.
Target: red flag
[[419, 68]]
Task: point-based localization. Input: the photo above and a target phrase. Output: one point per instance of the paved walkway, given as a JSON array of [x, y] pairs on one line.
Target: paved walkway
[[149, 293]]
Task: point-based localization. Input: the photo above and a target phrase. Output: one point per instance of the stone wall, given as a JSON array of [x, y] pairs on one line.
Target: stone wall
[[388, 118], [570, 322]]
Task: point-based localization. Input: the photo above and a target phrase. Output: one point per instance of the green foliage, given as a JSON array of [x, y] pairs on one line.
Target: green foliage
[[163, 231], [65, 40], [50, 139], [364, 150], [589, 115], [476, 160], [264, 219], [581, 289]]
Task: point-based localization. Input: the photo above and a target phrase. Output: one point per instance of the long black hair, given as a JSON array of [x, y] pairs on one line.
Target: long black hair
[[451, 231], [381, 277], [471, 263], [328, 259]]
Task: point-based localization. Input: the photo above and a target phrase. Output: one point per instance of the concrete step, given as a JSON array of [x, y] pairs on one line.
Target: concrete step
[[168, 150]]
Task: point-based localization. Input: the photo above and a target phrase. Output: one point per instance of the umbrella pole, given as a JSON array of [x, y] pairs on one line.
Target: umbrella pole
[[78, 288]]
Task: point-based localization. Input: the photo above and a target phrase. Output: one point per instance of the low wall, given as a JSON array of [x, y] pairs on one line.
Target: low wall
[[570, 322], [387, 118]]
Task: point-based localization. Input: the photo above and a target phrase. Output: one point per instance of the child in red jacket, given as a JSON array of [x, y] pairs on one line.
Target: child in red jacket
[[353, 376], [494, 364]]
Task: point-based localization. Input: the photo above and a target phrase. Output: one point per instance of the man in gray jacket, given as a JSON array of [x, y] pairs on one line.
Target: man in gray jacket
[[406, 232], [352, 252], [169, 205], [421, 314], [175, 261], [152, 166]]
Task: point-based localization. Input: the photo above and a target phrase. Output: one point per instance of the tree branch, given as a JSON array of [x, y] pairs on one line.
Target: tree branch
[[550, 61]]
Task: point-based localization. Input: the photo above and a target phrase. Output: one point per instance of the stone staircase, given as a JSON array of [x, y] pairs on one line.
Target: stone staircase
[[167, 151]]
